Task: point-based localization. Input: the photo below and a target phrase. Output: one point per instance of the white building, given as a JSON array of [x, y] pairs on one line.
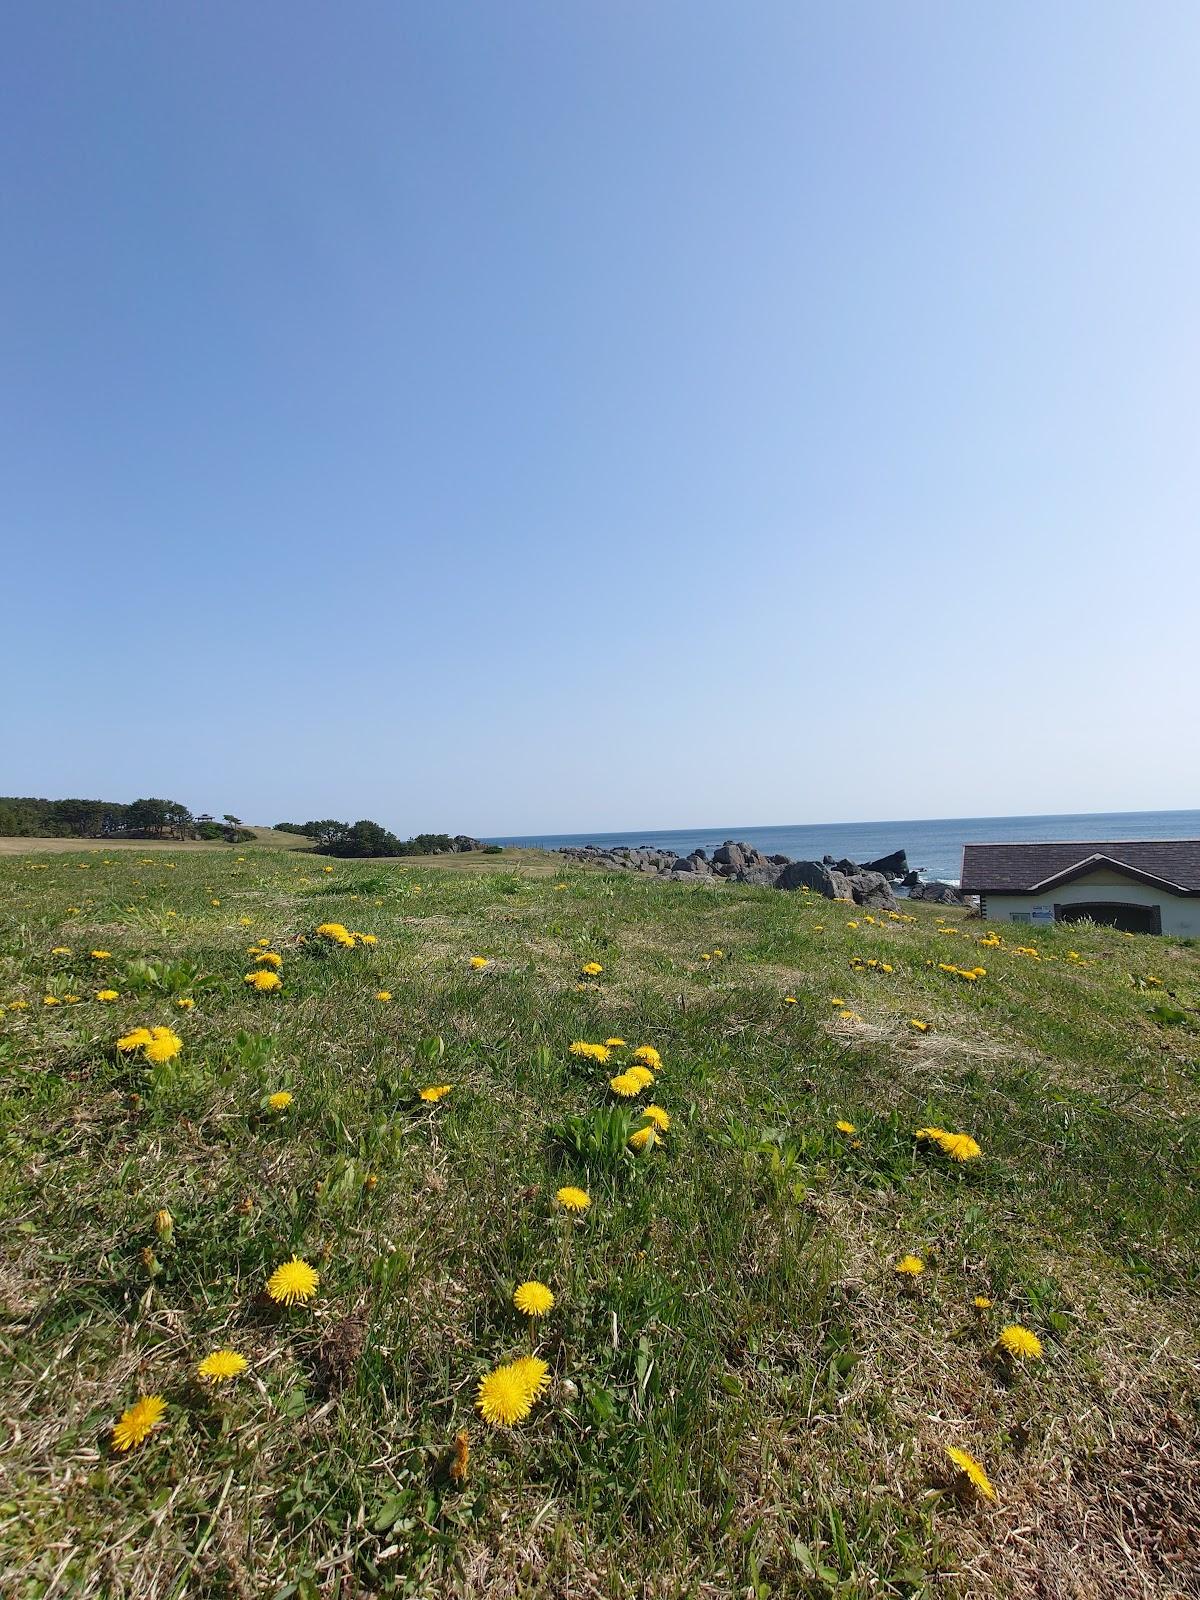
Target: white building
[[1139, 885]]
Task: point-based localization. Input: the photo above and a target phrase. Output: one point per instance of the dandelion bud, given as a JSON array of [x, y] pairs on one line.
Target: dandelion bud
[[164, 1224]]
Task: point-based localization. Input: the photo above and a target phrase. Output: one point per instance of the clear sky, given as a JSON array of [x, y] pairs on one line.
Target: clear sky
[[615, 414]]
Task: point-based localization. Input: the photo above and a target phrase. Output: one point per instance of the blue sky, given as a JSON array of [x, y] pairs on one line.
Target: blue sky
[[540, 417]]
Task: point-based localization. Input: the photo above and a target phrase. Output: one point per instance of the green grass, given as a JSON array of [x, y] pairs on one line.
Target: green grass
[[745, 1400]]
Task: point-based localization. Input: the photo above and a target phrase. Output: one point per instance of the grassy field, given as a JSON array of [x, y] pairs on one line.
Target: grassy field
[[743, 1397], [264, 838]]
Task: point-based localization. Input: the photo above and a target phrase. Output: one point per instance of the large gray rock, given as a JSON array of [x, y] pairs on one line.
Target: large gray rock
[[729, 857], [871, 889], [807, 875], [840, 884], [942, 894], [764, 875], [894, 866]]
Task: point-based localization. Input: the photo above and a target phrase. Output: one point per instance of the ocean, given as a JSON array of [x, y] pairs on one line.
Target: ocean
[[934, 846]]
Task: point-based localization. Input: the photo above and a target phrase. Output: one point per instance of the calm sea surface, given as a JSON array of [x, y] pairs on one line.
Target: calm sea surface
[[934, 847]]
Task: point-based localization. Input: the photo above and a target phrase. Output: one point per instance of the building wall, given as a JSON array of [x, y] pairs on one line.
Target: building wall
[[1180, 915]]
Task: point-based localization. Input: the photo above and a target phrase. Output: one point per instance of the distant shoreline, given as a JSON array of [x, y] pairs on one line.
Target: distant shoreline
[[933, 845]]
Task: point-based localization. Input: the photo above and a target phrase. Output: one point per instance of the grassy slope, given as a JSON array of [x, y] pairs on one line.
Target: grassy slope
[[745, 1399]]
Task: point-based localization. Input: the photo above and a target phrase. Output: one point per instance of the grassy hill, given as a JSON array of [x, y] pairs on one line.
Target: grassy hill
[[742, 1395]]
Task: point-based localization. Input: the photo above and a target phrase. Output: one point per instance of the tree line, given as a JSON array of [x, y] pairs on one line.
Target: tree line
[[23, 816], [367, 838], [26, 817]]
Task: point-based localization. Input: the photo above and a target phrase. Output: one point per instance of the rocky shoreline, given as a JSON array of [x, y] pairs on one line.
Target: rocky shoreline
[[866, 884]]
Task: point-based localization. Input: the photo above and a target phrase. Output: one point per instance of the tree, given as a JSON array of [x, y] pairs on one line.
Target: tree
[[234, 822], [148, 816], [328, 835]]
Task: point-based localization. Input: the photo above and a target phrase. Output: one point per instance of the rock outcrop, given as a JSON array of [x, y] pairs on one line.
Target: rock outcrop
[[943, 894], [738, 862]]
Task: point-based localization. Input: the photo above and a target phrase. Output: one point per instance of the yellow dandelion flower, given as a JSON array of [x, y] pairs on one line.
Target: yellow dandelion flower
[[648, 1056], [909, 1267], [845, 1127], [51, 1000], [479, 962], [267, 958], [23, 1005], [614, 1044], [852, 924], [921, 1027], [383, 994], [294, 1280], [836, 1000], [971, 1470], [135, 1424], [534, 1373], [164, 1045], [1019, 1343], [335, 931], [434, 1092], [590, 1052], [959, 1146], [643, 1139], [71, 999], [982, 1303], [185, 1004], [641, 1075], [136, 1039], [591, 969], [626, 1086], [264, 980], [279, 1101], [658, 1117], [572, 1199], [221, 1365], [367, 938], [504, 1396], [533, 1299], [101, 955], [789, 1000], [61, 950], [930, 1133]]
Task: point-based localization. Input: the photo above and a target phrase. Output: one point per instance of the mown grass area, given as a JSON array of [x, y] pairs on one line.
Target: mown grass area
[[744, 1396], [264, 839]]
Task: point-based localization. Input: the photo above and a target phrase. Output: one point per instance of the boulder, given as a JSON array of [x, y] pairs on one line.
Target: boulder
[[840, 884], [765, 875], [807, 875], [942, 894], [686, 865], [779, 861], [893, 866], [909, 879], [848, 867], [873, 890], [730, 856]]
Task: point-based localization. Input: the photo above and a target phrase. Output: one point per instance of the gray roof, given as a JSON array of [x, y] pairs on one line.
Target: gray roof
[[1172, 864]]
